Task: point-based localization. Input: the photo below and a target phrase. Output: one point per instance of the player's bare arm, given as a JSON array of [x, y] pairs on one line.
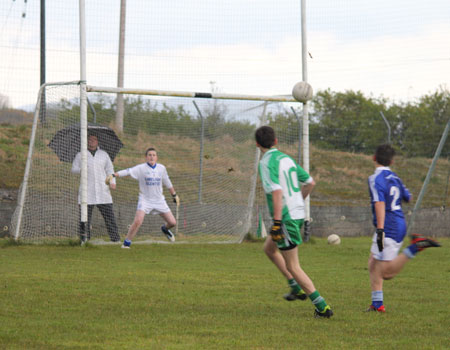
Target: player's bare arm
[[380, 212], [307, 188], [277, 198]]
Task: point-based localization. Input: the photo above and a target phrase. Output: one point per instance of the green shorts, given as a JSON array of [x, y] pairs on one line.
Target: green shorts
[[292, 234]]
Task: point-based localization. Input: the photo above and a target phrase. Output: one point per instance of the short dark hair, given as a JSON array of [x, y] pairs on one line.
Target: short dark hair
[[149, 149], [265, 136], [384, 154]]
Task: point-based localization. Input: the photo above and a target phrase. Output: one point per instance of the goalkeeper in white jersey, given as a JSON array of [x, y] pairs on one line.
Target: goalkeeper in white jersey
[[281, 178], [151, 176]]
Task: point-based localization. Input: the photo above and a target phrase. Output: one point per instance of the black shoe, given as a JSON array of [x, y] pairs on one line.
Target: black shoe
[[295, 296], [170, 236], [327, 312], [423, 242]]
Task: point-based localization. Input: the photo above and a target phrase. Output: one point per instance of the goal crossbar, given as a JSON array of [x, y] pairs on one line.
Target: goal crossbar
[[219, 96]]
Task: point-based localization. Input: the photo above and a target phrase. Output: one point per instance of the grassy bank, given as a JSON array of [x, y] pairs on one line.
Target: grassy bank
[[341, 177]]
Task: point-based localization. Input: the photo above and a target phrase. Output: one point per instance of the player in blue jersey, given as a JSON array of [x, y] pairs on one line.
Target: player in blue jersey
[[387, 192]]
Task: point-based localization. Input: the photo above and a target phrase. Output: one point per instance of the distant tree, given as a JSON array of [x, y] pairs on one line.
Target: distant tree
[[286, 126], [419, 126], [347, 121]]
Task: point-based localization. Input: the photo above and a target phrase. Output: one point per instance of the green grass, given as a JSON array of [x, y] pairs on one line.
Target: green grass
[[213, 297]]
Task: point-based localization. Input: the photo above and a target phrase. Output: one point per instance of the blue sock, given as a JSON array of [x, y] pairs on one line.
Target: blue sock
[[127, 242], [377, 298], [411, 251]]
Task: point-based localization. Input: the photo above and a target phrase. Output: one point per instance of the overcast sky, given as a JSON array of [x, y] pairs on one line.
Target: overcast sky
[[396, 49]]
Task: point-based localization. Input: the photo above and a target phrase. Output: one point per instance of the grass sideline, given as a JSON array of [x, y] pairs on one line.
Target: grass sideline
[[213, 297]]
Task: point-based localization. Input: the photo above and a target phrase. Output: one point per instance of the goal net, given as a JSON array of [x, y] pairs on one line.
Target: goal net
[[206, 144]]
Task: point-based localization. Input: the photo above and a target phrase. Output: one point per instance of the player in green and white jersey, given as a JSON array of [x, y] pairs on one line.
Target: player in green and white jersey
[[282, 177]]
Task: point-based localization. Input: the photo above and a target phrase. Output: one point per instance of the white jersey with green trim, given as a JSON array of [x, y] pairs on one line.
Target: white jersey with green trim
[[279, 171]]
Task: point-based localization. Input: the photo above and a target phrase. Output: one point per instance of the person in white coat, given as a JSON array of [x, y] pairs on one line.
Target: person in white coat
[[99, 166]]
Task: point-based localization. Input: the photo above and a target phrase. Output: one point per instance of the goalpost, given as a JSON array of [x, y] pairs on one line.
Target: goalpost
[[206, 141]]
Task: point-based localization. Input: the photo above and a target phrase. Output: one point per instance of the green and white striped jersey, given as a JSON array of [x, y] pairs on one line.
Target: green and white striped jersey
[[279, 171]]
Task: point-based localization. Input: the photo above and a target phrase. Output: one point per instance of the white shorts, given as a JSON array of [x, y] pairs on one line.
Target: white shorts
[[153, 207], [390, 250]]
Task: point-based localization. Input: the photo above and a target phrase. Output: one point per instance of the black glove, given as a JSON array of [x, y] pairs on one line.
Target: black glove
[[176, 199], [380, 239], [275, 232]]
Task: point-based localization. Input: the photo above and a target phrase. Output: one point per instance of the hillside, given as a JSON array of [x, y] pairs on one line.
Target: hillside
[[341, 177]]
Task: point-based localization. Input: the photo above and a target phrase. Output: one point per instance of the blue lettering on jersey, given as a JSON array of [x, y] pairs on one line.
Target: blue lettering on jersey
[[152, 181]]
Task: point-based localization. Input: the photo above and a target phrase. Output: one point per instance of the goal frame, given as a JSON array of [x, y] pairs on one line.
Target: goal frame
[[247, 222]]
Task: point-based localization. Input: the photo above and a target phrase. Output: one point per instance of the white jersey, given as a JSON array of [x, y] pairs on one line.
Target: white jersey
[[151, 179]]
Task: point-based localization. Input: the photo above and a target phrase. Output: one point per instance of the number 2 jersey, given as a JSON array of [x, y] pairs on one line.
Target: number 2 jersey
[[385, 186], [278, 171]]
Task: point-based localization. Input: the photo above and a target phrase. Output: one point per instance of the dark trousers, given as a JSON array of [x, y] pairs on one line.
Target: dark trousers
[[110, 220]]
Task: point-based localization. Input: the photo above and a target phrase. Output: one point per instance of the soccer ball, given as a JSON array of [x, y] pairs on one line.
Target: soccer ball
[[302, 91], [334, 239]]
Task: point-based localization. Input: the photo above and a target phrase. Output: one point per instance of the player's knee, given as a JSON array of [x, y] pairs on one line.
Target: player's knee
[[138, 222], [292, 268], [387, 275], [268, 250]]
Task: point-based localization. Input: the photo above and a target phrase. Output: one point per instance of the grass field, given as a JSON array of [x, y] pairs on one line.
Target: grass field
[[214, 297]]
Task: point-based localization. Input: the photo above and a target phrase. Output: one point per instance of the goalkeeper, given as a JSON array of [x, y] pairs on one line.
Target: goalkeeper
[[151, 176], [281, 177]]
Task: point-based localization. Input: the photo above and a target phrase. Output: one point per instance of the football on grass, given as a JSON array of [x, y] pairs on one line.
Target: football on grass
[[334, 239], [302, 91]]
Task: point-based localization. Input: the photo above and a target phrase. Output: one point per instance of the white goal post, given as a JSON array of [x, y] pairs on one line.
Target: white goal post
[[205, 140]]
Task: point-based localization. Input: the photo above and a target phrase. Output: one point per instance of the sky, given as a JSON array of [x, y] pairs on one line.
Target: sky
[[398, 50]]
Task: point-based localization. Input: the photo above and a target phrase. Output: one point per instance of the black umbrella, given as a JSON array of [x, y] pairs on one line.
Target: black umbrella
[[66, 142]]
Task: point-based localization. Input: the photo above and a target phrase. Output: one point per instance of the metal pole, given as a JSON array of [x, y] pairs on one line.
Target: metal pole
[[430, 172], [299, 155], [24, 187], [91, 107], [202, 137], [388, 126], [219, 96], [305, 119], [83, 123], [42, 111], [120, 71], [253, 181]]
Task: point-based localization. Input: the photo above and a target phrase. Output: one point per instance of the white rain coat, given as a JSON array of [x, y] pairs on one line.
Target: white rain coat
[[99, 167]]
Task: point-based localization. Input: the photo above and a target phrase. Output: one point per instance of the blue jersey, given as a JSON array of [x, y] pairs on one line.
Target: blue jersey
[[385, 186]]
